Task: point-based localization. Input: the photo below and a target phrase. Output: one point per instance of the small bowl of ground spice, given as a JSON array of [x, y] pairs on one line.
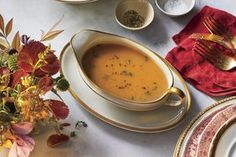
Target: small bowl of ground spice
[[134, 14]]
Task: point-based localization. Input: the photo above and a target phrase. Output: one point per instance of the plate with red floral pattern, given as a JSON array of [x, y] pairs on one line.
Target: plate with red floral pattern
[[202, 135]]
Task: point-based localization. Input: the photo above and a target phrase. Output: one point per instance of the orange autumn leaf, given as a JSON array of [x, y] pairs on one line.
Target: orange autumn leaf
[[8, 28], [16, 42], [1, 23]]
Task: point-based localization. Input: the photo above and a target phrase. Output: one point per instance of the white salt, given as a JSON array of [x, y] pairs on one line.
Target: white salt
[[175, 6]]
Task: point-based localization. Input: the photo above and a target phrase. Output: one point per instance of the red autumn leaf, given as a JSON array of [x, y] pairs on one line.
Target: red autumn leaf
[[51, 68], [45, 83], [59, 108], [26, 67], [29, 56], [16, 77], [57, 139], [32, 49]]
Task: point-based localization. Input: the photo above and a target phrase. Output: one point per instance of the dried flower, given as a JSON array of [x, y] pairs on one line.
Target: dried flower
[[26, 74]]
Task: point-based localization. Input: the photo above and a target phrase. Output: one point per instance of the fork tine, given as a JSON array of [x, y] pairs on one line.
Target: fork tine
[[210, 59], [219, 26], [201, 50], [214, 56], [213, 26], [213, 52], [209, 28]]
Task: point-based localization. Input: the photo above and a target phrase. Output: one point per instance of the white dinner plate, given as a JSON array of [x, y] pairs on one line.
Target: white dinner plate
[[226, 147], [158, 120], [187, 145], [77, 1]]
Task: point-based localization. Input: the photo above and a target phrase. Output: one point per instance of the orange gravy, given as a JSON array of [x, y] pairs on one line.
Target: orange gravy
[[124, 72]]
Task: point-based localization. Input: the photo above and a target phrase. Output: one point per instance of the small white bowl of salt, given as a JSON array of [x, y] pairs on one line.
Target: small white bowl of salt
[[175, 7]]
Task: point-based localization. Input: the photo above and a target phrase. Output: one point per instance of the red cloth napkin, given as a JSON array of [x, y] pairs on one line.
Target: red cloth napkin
[[194, 68]]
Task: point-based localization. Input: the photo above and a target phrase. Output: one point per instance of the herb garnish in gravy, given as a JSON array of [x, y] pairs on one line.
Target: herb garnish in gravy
[[124, 72]]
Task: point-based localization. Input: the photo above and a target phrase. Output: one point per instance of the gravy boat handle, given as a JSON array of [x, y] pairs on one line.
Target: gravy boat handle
[[174, 97]]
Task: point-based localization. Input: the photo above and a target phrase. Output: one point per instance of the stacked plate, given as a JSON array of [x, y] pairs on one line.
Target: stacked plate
[[211, 133]]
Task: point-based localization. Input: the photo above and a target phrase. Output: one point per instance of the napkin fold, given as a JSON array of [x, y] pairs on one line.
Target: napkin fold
[[193, 67]]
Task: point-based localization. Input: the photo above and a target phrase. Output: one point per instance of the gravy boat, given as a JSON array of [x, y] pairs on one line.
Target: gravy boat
[[84, 40]]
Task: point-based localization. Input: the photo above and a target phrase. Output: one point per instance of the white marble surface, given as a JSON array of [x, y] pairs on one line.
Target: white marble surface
[[101, 139]]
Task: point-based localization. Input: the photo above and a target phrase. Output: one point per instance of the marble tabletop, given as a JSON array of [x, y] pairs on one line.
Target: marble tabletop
[[101, 139]]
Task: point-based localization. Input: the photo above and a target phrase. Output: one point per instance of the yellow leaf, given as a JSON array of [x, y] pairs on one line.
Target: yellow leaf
[[3, 44], [51, 35], [1, 23], [16, 42], [7, 144], [9, 27]]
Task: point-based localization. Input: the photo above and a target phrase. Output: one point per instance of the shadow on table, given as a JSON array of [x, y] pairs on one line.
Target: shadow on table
[[183, 20], [156, 32]]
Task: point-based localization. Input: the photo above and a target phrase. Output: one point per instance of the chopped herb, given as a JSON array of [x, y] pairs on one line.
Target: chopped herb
[[155, 88], [132, 18], [116, 57], [121, 87], [126, 73], [146, 58], [148, 92], [128, 61]]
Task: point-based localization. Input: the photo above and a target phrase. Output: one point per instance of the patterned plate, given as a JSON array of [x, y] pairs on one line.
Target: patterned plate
[[206, 126]]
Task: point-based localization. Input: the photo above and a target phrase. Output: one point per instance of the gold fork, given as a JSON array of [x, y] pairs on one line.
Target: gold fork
[[217, 28], [213, 55]]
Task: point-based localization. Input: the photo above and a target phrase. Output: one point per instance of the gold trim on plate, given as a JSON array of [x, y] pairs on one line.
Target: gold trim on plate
[[126, 127], [185, 132]]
